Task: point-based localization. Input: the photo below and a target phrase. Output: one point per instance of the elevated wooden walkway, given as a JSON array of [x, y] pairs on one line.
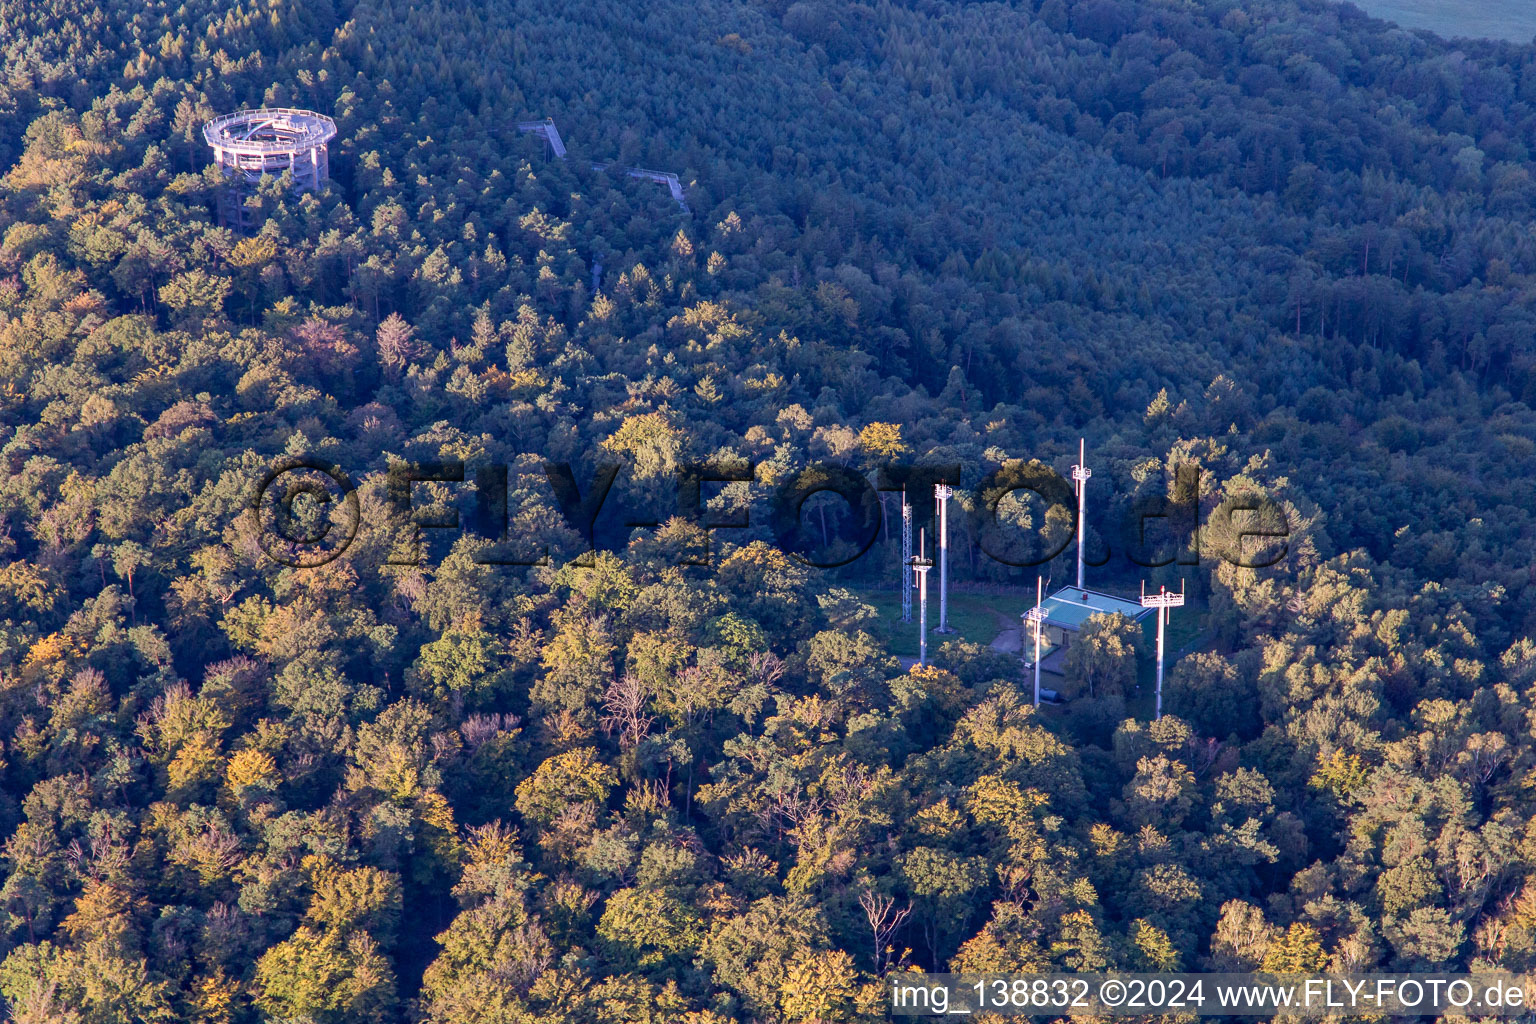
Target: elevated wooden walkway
[[551, 134]]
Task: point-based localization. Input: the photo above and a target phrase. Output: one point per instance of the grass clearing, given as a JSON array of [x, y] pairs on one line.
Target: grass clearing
[[1514, 20], [973, 617]]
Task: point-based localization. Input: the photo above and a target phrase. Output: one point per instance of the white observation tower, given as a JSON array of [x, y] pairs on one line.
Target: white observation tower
[[250, 143]]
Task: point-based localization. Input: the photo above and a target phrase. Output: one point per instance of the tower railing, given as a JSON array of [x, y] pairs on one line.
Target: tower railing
[[317, 130], [300, 146]]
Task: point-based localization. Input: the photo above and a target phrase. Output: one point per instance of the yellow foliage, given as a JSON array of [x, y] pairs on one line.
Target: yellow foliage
[[1154, 947], [443, 834], [939, 820], [1341, 774], [993, 951], [767, 382], [102, 911], [1298, 950], [994, 800], [570, 777], [253, 252], [52, 655], [28, 587], [933, 677], [882, 440], [250, 767], [394, 770], [215, 999], [758, 557], [651, 441], [1107, 841], [48, 649], [196, 763], [362, 897], [819, 988], [527, 380]]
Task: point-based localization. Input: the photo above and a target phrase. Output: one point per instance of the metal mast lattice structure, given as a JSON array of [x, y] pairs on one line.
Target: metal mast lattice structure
[[921, 565], [906, 558], [1080, 475], [1162, 601], [250, 143], [1035, 617], [942, 493]]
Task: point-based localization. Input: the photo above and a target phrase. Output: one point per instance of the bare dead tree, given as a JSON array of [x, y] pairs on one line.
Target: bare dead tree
[[884, 919], [1202, 754], [765, 667], [624, 710]]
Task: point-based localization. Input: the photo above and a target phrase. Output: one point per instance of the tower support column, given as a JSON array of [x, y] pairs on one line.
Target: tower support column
[[906, 559], [1080, 475], [942, 493], [1162, 601]]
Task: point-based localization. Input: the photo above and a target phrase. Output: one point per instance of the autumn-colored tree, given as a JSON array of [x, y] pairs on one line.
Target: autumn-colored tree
[[1101, 658], [328, 977]]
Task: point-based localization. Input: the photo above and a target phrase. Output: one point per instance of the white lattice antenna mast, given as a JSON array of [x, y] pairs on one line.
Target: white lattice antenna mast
[[1162, 601], [1035, 619], [1080, 475], [921, 565], [906, 558], [942, 493]]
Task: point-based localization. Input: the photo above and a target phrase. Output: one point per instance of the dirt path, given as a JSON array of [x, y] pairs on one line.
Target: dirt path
[[1010, 637]]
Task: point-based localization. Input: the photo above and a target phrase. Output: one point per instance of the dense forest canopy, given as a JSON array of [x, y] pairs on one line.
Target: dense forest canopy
[[1277, 242]]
